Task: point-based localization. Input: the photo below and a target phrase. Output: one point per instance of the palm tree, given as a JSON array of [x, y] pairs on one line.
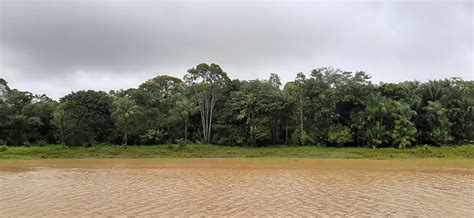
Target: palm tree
[[184, 109], [124, 109], [437, 120]]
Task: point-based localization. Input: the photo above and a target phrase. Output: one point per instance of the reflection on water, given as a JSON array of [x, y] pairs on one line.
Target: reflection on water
[[230, 187]]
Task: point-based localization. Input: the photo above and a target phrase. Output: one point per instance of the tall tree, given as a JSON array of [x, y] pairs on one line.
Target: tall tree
[[3, 89], [157, 99], [125, 109], [163, 85], [89, 112], [300, 82], [61, 122], [404, 130], [183, 110], [374, 121], [207, 81], [438, 123]]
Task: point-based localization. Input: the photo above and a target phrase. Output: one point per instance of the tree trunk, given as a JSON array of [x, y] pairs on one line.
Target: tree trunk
[[286, 132], [185, 130], [125, 138], [205, 121], [301, 120], [208, 115], [125, 135], [212, 101], [210, 123], [206, 104], [61, 130], [202, 107]]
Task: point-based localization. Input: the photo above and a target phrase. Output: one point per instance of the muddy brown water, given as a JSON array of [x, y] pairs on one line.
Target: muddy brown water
[[236, 187]]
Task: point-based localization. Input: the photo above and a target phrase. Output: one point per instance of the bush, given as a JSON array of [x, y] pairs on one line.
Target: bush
[[153, 136], [340, 135], [440, 136], [301, 139], [3, 148], [227, 136]]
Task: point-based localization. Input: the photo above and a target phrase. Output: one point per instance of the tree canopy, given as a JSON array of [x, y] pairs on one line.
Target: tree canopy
[[328, 107]]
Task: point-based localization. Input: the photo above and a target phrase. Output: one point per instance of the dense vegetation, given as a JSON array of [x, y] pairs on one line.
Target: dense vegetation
[[327, 107]]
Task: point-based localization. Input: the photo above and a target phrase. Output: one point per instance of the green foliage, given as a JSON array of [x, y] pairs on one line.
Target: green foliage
[[125, 111], [207, 81], [23, 116], [85, 118], [152, 136], [404, 130], [299, 138], [438, 123], [182, 111], [164, 86], [156, 106], [372, 123], [376, 135], [340, 135], [229, 135], [3, 148], [327, 106], [256, 106]]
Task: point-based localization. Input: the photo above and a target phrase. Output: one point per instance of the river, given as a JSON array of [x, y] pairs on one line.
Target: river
[[236, 187]]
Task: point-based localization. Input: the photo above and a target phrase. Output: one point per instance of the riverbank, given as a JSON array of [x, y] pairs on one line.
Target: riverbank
[[214, 151]]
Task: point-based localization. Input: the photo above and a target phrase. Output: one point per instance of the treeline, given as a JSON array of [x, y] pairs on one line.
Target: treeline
[[328, 106]]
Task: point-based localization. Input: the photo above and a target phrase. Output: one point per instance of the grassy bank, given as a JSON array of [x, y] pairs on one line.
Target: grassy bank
[[196, 151]]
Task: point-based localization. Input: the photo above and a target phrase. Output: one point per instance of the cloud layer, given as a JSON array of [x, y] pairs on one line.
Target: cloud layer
[[59, 46]]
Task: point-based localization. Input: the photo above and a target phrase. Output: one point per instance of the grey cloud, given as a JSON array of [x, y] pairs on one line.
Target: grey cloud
[[54, 47]]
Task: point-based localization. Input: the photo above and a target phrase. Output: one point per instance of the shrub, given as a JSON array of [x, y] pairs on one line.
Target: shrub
[[440, 136], [3, 148], [153, 136], [340, 135], [301, 139]]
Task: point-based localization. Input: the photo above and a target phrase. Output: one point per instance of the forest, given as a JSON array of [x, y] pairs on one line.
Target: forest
[[327, 107]]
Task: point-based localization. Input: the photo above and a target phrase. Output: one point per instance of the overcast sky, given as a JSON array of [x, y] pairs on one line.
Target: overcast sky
[[54, 47]]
